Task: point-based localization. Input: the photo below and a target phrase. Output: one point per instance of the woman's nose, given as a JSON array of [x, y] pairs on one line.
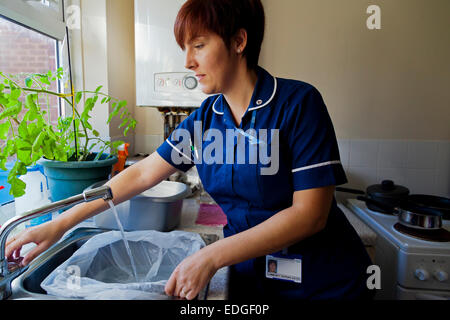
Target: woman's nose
[[189, 61]]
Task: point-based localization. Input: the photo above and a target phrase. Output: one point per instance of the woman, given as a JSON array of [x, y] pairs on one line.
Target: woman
[[279, 207]]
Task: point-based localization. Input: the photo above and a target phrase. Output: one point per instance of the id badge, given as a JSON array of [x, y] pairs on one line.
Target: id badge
[[287, 267]]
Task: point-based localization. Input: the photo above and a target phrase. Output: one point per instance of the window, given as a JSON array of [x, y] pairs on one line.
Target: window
[[31, 35], [24, 50]]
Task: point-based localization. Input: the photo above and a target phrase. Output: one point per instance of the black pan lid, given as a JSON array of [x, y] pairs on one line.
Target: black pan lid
[[387, 189]]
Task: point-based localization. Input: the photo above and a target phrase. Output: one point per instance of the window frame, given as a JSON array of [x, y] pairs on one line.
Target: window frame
[[39, 20]]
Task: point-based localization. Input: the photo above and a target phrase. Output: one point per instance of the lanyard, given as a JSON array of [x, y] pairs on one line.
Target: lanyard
[[252, 139]]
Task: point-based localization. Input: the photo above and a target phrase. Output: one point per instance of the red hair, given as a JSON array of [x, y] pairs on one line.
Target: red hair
[[224, 18]]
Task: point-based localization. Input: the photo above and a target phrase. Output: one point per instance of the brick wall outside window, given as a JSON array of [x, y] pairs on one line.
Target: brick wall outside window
[[26, 51]]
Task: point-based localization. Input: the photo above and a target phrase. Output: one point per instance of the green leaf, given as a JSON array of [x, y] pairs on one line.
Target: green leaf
[[95, 133], [30, 101], [38, 142], [117, 144], [44, 80], [4, 130], [122, 104], [18, 169], [17, 187], [11, 111], [24, 153], [15, 94], [98, 89], [47, 149], [124, 123], [78, 97], [28, 82], [23, 130]]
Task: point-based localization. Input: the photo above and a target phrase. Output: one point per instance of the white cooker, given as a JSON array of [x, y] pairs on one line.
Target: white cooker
[[413, 266]]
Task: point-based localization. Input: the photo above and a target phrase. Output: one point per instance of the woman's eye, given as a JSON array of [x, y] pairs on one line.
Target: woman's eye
[[199, 46]]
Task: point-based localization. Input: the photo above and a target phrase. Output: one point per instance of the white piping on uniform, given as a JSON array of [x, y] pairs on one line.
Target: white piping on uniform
[[254, 108], [270, 99], [317, 165], [213, 107], [178, 150]]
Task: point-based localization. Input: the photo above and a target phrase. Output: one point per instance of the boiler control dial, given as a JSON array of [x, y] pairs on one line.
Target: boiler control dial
[[190, 82]]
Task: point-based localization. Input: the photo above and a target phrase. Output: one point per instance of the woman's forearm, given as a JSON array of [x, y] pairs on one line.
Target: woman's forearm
[[283, 229], [127, 184]]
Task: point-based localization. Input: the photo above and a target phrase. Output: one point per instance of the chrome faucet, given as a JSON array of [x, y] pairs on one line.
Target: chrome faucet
[[10, 271]]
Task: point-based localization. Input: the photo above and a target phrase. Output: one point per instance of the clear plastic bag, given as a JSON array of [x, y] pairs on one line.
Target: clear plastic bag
[[101, 268]]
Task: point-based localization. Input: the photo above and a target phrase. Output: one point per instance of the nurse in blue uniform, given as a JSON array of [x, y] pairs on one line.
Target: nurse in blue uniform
[[283, 209], [266, 151]]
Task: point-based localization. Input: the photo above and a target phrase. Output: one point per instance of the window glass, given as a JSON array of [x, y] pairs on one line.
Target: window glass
[[24, 51]]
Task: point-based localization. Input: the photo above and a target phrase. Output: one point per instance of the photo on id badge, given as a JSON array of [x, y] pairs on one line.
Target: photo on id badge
[[287, 267]]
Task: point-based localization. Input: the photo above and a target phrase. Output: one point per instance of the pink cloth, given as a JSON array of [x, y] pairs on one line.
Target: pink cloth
[[211, 215]]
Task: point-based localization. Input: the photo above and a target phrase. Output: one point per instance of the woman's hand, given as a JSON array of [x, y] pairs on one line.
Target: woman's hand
[[43, 235], [191, 275]]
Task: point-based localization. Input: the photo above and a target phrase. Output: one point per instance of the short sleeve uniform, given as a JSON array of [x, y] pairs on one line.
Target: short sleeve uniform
[[284, 143]]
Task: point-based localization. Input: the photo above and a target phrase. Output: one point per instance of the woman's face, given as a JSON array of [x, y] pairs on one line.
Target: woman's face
[[210, 59], [272, 267]]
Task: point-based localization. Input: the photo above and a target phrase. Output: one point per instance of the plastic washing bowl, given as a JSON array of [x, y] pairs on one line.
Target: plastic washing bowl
[[158, 208]]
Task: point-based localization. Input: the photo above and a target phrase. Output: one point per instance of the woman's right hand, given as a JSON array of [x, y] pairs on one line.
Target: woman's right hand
[[44, 236]]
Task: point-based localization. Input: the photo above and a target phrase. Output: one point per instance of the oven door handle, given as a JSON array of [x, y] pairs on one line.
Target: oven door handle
[[427, 296]]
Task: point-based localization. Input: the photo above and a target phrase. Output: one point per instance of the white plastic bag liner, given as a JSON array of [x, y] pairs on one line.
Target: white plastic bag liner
[[101, 268]]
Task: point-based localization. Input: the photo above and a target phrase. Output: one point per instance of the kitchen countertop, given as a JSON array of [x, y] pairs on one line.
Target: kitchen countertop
[[366, 234]]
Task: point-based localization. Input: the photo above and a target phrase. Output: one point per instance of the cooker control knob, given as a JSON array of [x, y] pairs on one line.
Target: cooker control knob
[[441, 275], [421, 274]]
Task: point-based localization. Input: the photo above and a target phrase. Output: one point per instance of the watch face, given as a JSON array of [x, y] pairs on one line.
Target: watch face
[[190, 82]]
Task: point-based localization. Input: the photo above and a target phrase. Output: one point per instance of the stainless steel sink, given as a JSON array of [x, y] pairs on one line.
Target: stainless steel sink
[[28, 285]]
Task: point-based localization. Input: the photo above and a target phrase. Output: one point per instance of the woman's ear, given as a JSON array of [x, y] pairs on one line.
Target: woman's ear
[[240, 41]]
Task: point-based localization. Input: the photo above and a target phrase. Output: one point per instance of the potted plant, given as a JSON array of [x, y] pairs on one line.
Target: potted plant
[[65, 147]]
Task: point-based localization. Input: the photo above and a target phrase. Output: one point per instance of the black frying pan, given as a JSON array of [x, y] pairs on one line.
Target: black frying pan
[[433, 202]]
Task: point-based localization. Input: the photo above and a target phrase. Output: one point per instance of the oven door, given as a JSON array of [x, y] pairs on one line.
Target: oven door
[[419, 294]]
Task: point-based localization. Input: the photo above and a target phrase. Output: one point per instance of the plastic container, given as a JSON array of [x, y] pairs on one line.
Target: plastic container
[[36, 195], [158, 208], [122, 158], [5, 197]]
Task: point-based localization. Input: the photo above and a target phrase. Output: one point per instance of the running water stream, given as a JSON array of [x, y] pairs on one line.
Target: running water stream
[[127, 246]]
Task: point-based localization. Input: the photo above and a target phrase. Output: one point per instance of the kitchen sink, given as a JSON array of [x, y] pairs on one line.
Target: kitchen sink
[[28, 285]]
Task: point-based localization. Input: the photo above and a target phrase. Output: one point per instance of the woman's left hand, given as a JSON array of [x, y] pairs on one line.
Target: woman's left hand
[[191, 275]]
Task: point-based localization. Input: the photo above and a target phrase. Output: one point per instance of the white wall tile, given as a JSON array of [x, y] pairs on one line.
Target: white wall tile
[[392, 153], [344, 151], [442, 183], [421, 181], [443, 157], [361, 177], [422, 154], [421, 166], [398, 175], [363, 153]]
